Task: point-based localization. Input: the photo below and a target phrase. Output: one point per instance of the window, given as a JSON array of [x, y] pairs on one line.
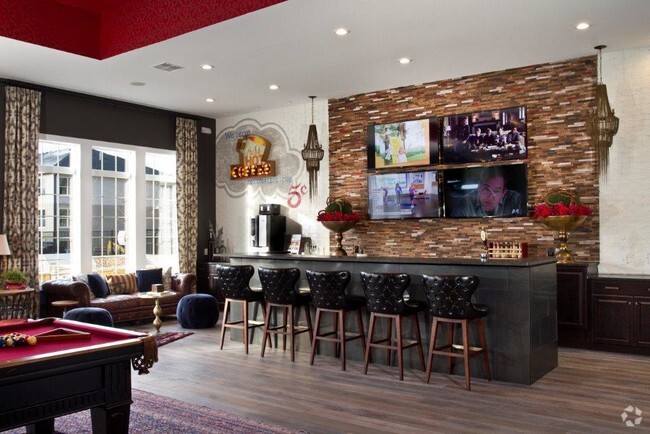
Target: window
[[105, 207], [161, 232], [109, 210], [54, 221]]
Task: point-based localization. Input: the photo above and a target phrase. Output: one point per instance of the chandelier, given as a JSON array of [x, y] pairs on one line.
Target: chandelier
[[312, 153], [602, 125]]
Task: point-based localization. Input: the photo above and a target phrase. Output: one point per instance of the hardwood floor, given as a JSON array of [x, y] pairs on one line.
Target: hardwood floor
[[586, 393]]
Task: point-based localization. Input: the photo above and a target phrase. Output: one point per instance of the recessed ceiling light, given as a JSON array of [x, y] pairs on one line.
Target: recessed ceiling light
[[137, 83], [341, 31], [209, 100], [582, 26], [274, 87], [207, 67], [405, 60]]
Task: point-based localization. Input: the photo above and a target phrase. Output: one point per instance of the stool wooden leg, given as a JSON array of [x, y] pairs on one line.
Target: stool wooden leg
[[418, 336], [309, 324], [284, 327], [389, 329], [483, 341], [432, 344], [335, 325], [292, 332], [267, 318], [371, 330], [450, 332], [314, 342], [400, 345], [466, 354], [245, 324], [341, 319], [225, 321], [362, 335]]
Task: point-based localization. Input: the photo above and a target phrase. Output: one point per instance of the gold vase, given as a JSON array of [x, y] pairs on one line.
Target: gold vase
[[339, 227], [563, 224]]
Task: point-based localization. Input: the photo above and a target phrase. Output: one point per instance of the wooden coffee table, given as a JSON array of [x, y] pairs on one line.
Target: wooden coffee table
[[157, 310]]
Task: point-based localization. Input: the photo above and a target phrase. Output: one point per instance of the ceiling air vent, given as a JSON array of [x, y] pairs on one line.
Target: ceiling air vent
[[169, 67]]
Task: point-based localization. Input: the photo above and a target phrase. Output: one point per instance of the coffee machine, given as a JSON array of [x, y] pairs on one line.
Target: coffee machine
[[268, 228]]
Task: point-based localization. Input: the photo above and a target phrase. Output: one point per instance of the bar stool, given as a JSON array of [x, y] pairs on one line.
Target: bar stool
[[385, 299], [328, 296], [233, 281], [279, 289], [449, 300]]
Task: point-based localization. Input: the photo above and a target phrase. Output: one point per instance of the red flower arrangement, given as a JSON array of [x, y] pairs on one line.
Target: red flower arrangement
[[543, 210], [561, 203], [337, 210]]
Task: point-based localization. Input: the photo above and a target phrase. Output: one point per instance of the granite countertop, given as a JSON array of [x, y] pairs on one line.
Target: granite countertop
[[524, 262]]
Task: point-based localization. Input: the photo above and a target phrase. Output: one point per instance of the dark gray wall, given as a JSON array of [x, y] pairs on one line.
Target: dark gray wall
[[77, 115]]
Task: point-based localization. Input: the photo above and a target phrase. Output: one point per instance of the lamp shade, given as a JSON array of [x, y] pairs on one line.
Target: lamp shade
[[4, 245]]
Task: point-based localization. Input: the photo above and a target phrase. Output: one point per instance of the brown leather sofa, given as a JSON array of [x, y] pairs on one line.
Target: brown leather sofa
[[122, 307]]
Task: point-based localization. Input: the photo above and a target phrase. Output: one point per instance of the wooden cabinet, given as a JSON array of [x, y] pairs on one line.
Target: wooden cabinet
[[620, 307], [572, 303], [206, 274]]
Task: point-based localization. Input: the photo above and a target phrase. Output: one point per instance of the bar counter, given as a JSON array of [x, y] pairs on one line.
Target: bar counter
[[521, 295]]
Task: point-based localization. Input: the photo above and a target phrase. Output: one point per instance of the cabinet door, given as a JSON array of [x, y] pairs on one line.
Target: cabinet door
[[642, 321], [571, 300], [612, 319]]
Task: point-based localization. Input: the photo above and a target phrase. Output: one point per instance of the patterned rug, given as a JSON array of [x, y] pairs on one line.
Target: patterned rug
[[166, 337], [152, 413]]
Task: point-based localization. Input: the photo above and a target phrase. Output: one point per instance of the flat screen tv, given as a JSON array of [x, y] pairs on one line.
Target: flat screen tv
[[403, 195], [491, 191], [485, 136], [404, 144]]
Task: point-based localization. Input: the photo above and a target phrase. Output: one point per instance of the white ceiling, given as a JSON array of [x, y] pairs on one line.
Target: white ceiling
[[293, 44]]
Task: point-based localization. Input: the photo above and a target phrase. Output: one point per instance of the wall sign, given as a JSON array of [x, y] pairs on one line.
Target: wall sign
[[253, 158]]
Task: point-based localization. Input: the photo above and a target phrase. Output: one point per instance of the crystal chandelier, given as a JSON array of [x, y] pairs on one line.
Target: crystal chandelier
[[602, 125], [312, 153]]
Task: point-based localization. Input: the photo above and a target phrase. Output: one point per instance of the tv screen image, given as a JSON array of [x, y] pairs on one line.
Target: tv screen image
[[485, 136], [403, 144], [492, 191], [403, 195]]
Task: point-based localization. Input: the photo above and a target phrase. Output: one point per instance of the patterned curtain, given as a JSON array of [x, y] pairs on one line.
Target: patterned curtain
[[22, 116], [186, 193]]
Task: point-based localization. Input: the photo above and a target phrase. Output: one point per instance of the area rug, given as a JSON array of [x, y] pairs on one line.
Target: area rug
[[152, 413], [166, 337]]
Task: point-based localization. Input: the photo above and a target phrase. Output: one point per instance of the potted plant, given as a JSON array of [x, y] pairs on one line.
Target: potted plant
[[14, 279]]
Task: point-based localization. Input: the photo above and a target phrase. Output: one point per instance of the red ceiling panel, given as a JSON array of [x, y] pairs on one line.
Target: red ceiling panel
[[105, 28]]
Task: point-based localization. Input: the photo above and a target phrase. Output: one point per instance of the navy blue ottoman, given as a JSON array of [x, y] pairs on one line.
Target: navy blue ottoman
[[91, 315], [197, 311]]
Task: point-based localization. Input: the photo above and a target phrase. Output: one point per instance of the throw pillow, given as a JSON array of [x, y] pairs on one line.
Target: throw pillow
[[146, 278], [84, 278], [122, 283], [167, 280], [98, 285]]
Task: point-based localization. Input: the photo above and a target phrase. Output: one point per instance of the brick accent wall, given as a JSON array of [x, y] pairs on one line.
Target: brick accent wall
[[558, 96]]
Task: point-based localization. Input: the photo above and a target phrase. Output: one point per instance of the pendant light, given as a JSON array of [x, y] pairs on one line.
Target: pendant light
[[312, 153]]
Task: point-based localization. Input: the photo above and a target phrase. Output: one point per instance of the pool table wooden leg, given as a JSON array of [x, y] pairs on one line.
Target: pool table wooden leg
[[111, 420], [41, 427]]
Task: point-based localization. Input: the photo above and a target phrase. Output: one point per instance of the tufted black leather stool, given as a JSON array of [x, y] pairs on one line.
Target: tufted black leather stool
[[449, 300], [385, 298], [279, 289], [232, 281], [328, 295]]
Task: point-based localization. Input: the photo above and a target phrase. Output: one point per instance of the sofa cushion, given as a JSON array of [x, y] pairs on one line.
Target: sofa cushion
[[167, 279], [122, 283], [83, 278], [146, 278], [98, 285]]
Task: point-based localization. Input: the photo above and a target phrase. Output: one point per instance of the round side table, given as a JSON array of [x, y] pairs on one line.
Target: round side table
[[65, 305]]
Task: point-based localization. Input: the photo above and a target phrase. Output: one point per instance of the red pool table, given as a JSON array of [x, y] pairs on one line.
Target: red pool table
[[61, 376]]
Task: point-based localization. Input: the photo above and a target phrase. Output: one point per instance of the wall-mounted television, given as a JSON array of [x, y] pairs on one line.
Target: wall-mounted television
[[491, 191], [489, 135], [404, 144], [403, 195]]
